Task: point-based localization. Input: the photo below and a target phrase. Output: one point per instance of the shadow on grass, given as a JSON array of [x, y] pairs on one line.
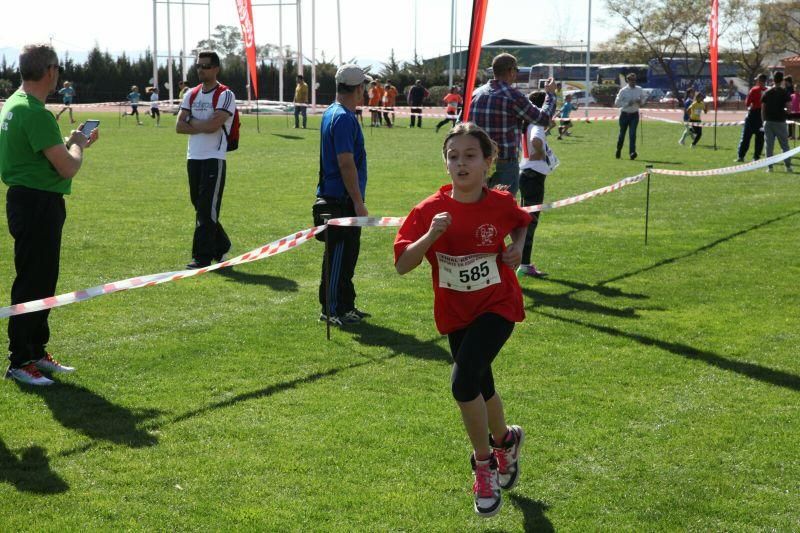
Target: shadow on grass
[[263, 393], [656, 162], [399, 343], [532, 512], [704, 248], [602, 290], [86, 412], [567, 302], [31, 472], [289, 137], [751, 370], [276, 283]]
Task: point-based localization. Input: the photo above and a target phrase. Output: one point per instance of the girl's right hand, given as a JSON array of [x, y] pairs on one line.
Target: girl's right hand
[[439, 224]]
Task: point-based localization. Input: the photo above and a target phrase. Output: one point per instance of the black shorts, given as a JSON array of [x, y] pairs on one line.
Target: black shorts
[[134, 108], [154, 111], [566, 123]]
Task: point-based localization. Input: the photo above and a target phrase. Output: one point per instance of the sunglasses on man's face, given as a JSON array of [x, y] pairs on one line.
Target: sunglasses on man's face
[[204, 66]]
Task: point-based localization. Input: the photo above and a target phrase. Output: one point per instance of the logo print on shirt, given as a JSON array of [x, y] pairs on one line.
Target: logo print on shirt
[[485, 234]]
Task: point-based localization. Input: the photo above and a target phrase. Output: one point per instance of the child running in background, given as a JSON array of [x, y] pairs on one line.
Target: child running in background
[[67, 94], [133, 98], [565, 123], [155, 112], [461, 231], [452, 102], [687, 129], [538, 163], [696, 110]]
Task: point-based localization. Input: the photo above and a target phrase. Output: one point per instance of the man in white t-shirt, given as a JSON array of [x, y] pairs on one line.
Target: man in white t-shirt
[[207, 116], [629, 99], [539, 161]]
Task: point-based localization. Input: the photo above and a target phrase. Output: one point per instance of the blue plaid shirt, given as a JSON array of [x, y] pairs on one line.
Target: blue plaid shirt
[[504, 112]]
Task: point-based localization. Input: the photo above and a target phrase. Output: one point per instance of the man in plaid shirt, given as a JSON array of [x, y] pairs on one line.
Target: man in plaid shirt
[[504, 112]]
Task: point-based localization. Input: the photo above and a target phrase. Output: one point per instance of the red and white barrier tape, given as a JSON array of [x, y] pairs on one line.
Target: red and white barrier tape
[[276, 247], [296, 239], [747, 167]]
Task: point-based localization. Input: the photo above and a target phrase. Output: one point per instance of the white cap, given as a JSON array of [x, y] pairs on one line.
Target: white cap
[[351, 74]]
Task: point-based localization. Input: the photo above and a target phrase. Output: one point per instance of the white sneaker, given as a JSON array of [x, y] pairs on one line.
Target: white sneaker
[[48, 364], [28, 374], [769, 170], [488, 499], [507, 454]]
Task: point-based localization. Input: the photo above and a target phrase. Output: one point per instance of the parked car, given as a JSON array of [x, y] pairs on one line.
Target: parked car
[[654, 94], [579, 97], [670, 98]]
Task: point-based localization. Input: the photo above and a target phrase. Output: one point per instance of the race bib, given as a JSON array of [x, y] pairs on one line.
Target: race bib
[[467, 273]]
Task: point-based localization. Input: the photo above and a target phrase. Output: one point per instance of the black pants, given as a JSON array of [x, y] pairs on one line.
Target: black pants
[[698, 132], [35, 221], [473, 349], [386, 111], [344, 244], [415, 117], [206, 185], [752, 126], [445, 121], [626, 121], [531, 188]]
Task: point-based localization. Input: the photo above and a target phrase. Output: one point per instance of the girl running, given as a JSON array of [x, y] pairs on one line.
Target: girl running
[[155, 112], [67, 93], [133, 98], [695, 116], [461, 230]]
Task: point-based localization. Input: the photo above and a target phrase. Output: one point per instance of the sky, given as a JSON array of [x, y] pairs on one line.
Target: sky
[[370, 29]]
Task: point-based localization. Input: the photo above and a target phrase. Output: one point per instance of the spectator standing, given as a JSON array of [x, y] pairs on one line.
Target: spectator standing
[[753, 123], [182, 88], [343, 183], [794, 111], [38, 166], [207, 116], [539, 161], [773, 112], [416, 96], [629, 99], [502, 111], [788, 84], [300, 102]]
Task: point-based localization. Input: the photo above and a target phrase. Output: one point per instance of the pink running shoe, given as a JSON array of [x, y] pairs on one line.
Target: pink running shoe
[[507, 455], [530, 270], [488, 499]]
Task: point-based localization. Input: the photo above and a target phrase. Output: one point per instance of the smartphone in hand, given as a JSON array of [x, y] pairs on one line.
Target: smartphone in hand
[[89, 126]]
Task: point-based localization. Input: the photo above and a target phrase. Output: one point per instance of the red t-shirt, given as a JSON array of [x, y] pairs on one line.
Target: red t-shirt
[[452, 101], [754, 97], [477, 228]]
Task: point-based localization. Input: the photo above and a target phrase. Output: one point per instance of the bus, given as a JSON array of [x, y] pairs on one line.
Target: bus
[[689, 73], [571, 75]]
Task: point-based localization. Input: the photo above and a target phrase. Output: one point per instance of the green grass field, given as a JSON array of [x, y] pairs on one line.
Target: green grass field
[[658, 385]]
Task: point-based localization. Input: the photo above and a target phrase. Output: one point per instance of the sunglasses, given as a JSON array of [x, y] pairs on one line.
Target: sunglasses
[[59, 67], [204, 66]]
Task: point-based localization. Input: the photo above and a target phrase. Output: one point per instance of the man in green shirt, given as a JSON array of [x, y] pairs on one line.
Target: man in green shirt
[[38, 167]]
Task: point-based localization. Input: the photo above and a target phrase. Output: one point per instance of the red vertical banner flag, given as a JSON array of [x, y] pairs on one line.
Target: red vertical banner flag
[[245, 9], [474, 51], [713, 47]]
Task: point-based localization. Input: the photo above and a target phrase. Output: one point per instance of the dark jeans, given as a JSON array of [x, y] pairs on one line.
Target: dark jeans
[[35, 221], [206, 185], [752, 126], [506, 172], [626, 121], [344, 244], [417, 118], [531, 187], [386, 111], [299, 109]]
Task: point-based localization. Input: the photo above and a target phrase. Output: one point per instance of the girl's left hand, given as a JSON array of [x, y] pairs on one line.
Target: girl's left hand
[[512, 256]]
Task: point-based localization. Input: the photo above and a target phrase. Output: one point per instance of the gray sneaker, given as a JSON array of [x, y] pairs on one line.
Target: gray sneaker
[[28, 374], [507, 454]]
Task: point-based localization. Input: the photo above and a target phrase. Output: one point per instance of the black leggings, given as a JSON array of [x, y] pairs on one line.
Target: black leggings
[[698, 132], [531, 188], [474, 348]]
